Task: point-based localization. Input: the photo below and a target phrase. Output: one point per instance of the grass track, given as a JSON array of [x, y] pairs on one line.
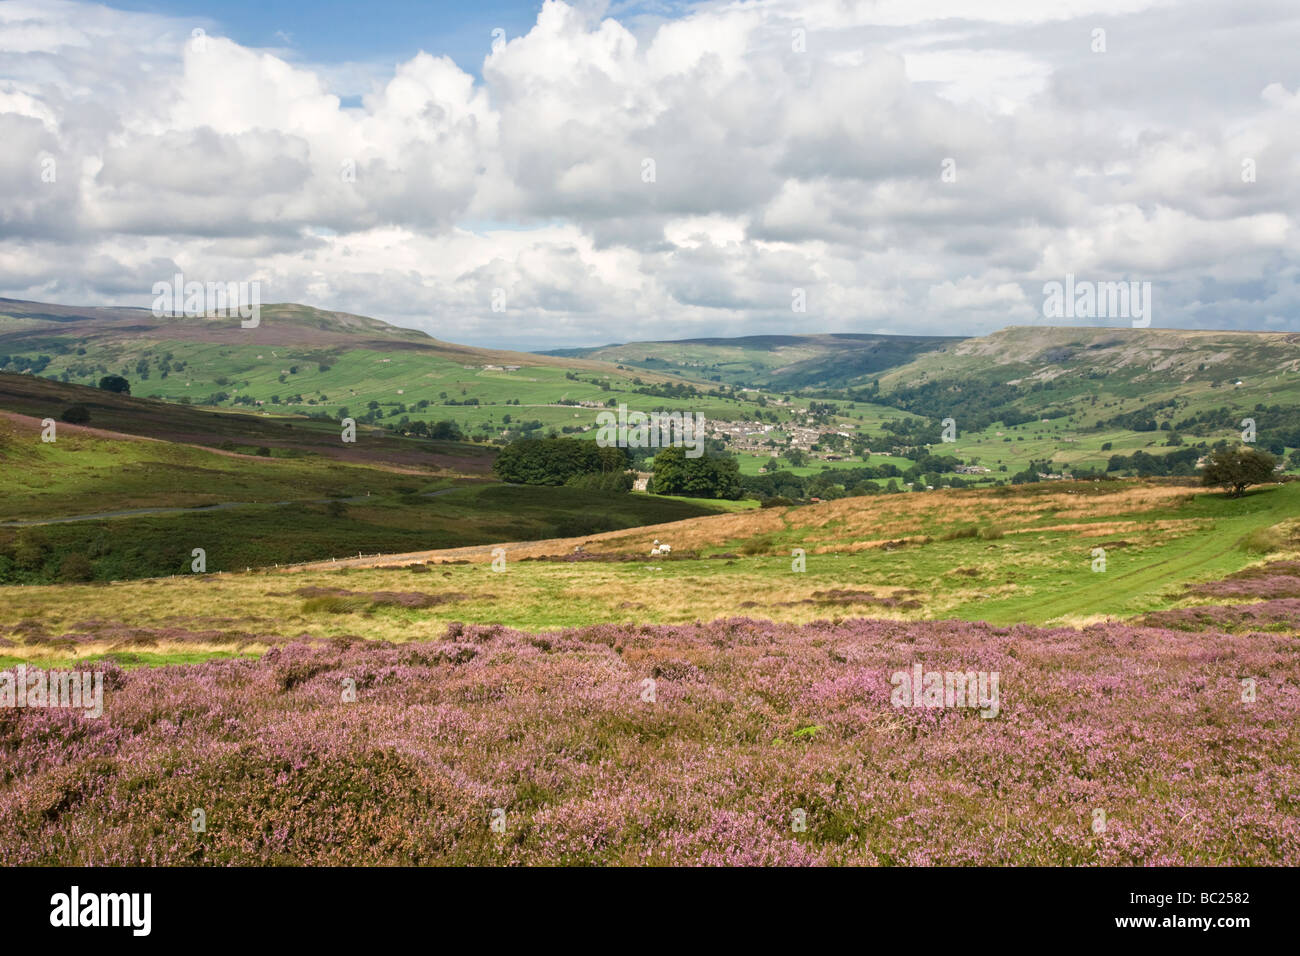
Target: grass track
[[1129, 589]]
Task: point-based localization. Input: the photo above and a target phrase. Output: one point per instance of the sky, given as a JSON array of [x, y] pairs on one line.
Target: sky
[[562, 174]]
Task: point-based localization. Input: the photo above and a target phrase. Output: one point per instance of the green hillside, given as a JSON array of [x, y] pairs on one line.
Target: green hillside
[[312, 362], [1068, 394], [134, 501]]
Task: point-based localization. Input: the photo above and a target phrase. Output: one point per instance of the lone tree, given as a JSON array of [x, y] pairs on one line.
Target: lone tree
[[1236, 469], [115, 383]]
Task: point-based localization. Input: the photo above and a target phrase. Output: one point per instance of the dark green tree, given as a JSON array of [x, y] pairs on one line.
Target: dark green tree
[[1236, 468], [703, 477]]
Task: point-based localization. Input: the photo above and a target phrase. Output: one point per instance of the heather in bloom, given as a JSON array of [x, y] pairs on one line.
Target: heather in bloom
[[749, 721], [1282, 614], [1276, 579]]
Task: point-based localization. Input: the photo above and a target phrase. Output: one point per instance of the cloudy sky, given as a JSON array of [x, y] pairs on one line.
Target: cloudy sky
[[613, 172]]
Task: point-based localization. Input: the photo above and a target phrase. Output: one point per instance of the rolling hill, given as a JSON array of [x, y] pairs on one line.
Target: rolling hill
[[775, 362], [1086, 383], [332, 364]]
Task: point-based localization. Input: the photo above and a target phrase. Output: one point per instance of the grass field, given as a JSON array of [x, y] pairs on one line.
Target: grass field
[[998, 556], [288, 380], [87, 471], [751, 464]]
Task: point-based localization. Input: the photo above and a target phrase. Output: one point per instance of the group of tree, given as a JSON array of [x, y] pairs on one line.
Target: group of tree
[[556, 461], [445, 430], [1180, 463], [707, 476], [21, 363]]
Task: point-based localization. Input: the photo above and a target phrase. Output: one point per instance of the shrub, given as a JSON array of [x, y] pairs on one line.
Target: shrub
[[75, 568], [332, 604], [76, 414], [29, 552], [1264, 540], [757, 546]]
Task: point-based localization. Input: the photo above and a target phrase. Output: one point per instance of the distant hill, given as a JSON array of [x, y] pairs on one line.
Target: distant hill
[[1165, 375], [1158, 358], [308, 361], [777, 362], [32, 325]]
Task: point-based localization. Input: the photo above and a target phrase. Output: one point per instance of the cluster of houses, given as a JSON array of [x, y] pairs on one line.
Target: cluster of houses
[[744, 436], [753, 436]]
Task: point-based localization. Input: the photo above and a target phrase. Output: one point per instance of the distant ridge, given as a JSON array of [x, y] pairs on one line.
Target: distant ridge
[[774, 361], [838, 360], [30, 326]]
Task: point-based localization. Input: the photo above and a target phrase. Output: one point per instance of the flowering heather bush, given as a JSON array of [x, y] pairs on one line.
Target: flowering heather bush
[[1277, 579], [1280, 615], [749, 722]]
